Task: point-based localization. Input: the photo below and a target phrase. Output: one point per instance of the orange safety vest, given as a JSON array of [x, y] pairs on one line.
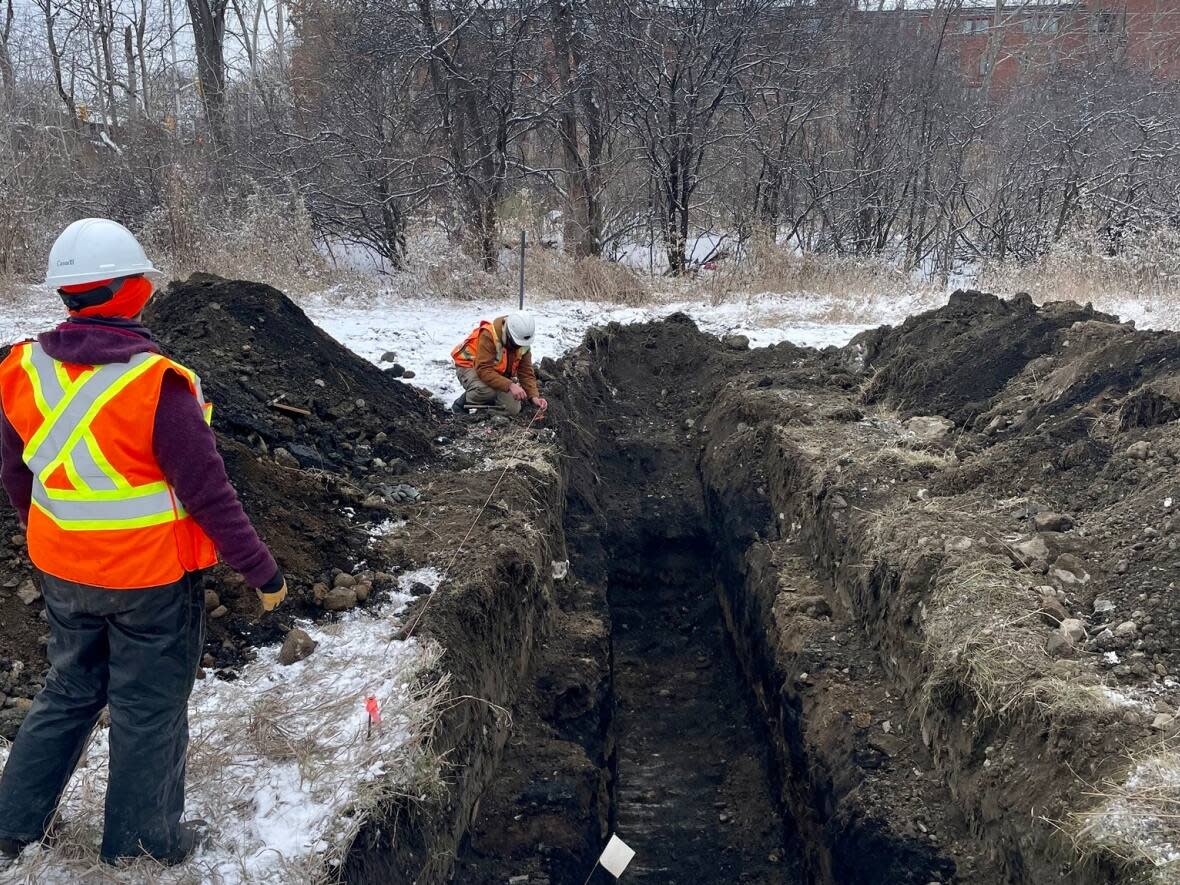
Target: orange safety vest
[[464, 354], [102, 512]]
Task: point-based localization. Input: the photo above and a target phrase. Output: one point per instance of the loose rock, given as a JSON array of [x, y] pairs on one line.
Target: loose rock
[[285, 458], [1074, 629], [1033, 553], [1047, 521], [297, 646], [28, 592], [1053, 611], [339, 600], [930, 428], [1139, 451], [1068, 569]]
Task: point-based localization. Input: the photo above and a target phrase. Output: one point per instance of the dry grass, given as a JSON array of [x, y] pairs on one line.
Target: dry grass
[[271, 240], [982, 637], [556, 275], [1136, 817], [896, 460], [768, 267], [1078, 269]]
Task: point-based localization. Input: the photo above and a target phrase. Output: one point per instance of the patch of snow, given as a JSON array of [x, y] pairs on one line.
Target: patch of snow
[[280, 761], [422, 332], [430, 576], [384, 528], [1138, 815]]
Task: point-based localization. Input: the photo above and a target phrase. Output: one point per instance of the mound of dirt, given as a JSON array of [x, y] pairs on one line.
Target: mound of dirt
[[952, 360], [275, 377]]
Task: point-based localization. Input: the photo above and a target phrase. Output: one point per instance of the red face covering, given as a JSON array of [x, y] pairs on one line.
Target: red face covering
[[129, 299]]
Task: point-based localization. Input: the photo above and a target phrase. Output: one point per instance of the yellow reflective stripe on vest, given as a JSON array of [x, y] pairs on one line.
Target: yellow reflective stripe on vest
[[29, 359], [102, 499], [77, 409], [195, 380]]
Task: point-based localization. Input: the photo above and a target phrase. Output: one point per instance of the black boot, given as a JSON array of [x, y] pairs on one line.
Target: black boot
[[193, 834], [10, 850], [190, 836], [459, 406]]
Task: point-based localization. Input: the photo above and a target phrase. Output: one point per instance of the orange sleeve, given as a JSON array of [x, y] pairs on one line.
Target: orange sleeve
[[528, 378], [485, 363]]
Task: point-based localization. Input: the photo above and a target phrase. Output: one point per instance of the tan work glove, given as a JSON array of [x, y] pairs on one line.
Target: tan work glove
[[271, 601]]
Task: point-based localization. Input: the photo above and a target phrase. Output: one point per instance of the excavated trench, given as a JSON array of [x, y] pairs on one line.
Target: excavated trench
[[793, 641], [681, 742], [695, 787]]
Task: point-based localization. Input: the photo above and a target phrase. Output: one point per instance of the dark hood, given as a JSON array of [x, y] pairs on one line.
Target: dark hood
[[97, 341]]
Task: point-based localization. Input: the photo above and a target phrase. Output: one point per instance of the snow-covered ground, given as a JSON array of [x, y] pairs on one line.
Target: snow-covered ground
[[282, 761], [422, 332]]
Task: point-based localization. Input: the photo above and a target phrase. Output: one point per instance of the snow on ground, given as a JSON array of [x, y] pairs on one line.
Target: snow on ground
[[281, 759], [1138, 816], [422, 332]]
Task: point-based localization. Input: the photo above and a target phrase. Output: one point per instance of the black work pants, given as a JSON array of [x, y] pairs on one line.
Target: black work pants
[[136, 651]]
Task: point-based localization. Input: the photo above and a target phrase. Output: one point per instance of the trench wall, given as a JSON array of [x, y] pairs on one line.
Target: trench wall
[[491, 618], [782, 521]]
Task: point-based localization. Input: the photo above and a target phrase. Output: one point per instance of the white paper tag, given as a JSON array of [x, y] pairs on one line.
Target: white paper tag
[[616, 857]]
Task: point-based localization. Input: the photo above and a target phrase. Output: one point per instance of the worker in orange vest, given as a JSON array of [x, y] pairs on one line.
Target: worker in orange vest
[[108, 457], [495, 366]]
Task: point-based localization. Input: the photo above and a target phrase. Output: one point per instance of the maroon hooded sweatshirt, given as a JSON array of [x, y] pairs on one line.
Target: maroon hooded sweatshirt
[[183, 444]]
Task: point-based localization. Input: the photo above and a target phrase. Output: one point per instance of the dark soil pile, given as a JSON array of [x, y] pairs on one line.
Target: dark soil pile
[[1088, 432], [275, 377], [952, 360]]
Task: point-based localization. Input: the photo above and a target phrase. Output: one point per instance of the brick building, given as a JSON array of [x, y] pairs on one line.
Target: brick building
[[1013, 42]]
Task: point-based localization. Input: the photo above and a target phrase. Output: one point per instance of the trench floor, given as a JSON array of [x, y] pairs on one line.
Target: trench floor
[[695, 792]]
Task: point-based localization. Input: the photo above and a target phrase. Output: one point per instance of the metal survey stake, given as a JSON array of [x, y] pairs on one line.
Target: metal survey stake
[[522, 236]]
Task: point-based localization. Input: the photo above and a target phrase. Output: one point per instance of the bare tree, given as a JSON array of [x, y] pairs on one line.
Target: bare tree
[[678, 69], [581, 122], [208, 23], [477, 58], [7, 73]]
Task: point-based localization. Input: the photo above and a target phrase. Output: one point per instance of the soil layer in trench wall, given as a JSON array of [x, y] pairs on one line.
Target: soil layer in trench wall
[[696, 794]]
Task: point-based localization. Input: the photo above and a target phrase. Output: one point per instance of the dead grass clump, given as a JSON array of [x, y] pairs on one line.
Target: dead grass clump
[[770, 267], [1080, 269], [550, 273], [1137, 816], [257, 236], [904, 463], [456, 277], [982, 637]]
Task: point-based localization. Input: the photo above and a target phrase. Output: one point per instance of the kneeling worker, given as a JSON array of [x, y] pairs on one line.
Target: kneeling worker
[[495, 366], [108, 458]]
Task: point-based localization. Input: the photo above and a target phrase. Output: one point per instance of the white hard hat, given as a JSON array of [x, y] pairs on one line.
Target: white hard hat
[[94, 249], [522, 328]]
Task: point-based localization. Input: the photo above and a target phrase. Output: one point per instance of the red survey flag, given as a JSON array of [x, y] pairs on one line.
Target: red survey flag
[[374, 710]]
